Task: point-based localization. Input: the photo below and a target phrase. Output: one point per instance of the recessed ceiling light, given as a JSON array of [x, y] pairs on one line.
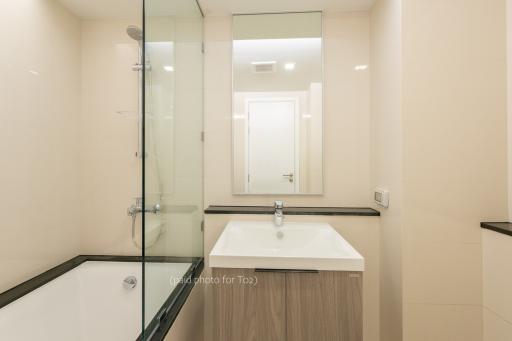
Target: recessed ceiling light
[[168, 68], [360, 67], [289, 66]]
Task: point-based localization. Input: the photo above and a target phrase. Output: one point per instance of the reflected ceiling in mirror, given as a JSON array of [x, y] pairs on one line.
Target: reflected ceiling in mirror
[[277, 104]]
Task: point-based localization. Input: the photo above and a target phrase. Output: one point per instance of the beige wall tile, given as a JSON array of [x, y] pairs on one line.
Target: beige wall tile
[[454, 122], [454, 159], [497, 254], [443, 273], [386, 156], [429, 322], [109, 171], [496, 328], [40, 99]]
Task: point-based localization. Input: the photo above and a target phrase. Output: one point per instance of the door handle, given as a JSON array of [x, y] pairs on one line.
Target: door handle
[[289, 176]]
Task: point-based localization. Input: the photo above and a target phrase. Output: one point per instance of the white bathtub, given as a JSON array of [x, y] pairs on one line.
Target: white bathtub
[[89, 303]]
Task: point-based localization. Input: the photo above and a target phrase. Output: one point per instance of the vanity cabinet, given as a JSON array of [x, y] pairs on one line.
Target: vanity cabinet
[[252, 305], [247, 311]]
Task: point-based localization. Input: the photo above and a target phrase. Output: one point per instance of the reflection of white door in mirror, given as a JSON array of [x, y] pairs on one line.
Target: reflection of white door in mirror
[[272, 146]]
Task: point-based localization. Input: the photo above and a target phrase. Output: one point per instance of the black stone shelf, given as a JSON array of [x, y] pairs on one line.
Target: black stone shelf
[[331, 211], [500, 227]]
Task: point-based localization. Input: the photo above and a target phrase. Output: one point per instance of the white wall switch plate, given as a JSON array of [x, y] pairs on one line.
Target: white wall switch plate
[[381, 197]]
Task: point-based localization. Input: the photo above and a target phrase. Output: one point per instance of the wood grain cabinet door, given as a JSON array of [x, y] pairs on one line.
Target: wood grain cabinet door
[[324, 306], [245, 311]]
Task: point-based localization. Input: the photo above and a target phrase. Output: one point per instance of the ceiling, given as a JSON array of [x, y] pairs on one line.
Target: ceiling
[[129, 9], [132, 9], [104, 9], [225, 7]]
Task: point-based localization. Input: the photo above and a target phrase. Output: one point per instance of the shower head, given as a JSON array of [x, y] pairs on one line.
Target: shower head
[[134, 32]]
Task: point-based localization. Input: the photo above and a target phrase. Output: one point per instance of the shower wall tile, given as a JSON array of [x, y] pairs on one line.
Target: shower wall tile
[[110, 174], [40, 96]]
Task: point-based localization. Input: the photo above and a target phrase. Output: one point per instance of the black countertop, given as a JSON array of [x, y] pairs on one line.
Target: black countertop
[[500, 227], [332, 211]]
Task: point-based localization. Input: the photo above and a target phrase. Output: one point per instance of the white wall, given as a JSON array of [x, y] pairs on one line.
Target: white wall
[[386, 157], [346, 115], [40, 96]]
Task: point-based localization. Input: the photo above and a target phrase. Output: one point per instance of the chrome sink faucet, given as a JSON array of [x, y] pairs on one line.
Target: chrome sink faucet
[[278, 213]]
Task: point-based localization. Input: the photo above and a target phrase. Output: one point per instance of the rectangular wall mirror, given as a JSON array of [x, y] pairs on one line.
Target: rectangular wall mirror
[[277, 113]]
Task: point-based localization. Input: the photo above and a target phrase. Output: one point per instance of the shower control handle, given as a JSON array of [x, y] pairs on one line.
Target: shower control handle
[[155, 209]]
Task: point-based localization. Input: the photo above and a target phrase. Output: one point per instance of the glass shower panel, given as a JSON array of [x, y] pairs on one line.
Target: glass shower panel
[[173, 150]]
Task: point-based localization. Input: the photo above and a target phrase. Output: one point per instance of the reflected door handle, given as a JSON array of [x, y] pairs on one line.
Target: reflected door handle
[[289, 176]]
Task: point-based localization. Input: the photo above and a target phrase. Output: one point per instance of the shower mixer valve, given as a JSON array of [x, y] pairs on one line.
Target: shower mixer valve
[[136, 208]]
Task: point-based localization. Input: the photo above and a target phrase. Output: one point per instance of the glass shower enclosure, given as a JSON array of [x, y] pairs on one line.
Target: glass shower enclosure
[[172, 158]]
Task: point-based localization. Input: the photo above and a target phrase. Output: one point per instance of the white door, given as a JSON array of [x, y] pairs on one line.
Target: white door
[[271, 147]]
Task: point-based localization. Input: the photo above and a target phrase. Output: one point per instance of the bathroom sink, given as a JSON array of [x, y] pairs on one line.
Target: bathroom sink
[[293, 246]]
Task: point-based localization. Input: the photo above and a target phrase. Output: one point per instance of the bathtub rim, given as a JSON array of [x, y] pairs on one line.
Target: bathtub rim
[[166, 315]]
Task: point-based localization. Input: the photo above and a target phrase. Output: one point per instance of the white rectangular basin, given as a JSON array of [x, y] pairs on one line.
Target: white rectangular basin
[[293, 246]]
